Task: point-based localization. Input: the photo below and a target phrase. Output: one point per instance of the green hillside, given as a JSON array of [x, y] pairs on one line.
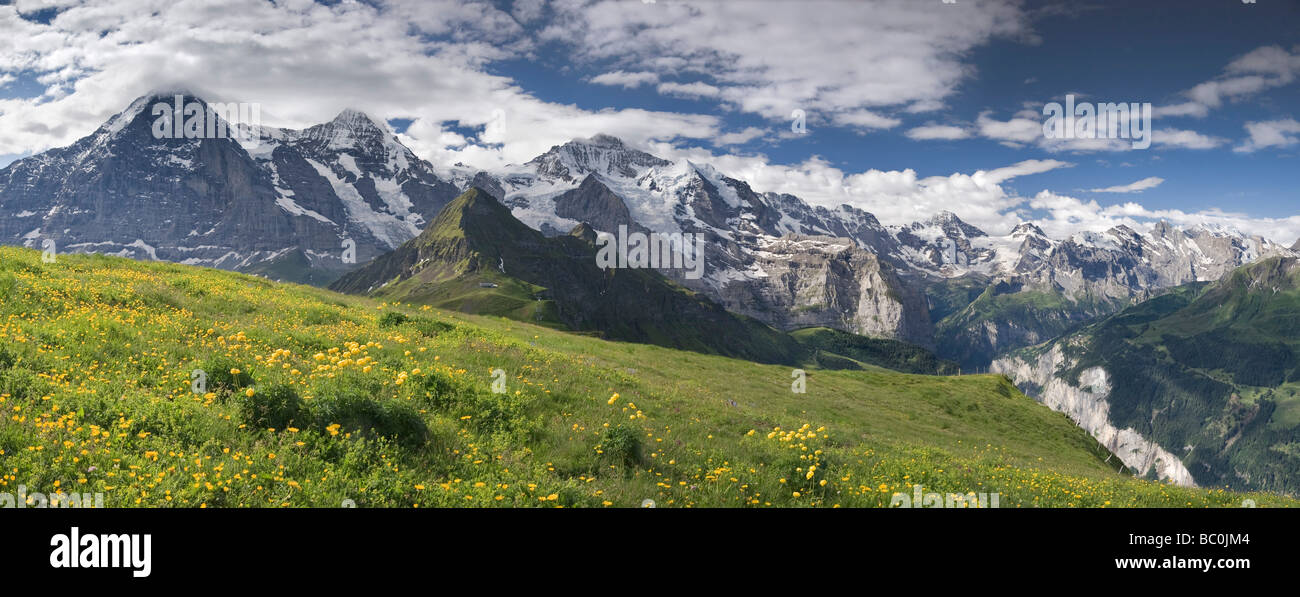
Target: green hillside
[[477, 258], [1021, 317], [314, 398], [1215, 368], [837, 349]]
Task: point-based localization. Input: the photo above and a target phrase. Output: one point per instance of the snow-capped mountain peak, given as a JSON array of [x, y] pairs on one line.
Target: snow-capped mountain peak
[[222, 200], [950, 224], [353, 118], [1025, 229], [125, 117], [600, 154]]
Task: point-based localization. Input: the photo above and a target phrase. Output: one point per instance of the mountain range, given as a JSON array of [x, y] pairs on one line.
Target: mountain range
[[286, 206], [281, 202]]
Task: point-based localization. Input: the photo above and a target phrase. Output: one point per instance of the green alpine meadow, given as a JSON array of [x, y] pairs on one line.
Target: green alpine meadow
[[165, 385]]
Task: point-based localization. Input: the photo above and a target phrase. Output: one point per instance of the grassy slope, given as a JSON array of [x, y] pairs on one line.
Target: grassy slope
[[865, 352], [352, 402], [510, 297]]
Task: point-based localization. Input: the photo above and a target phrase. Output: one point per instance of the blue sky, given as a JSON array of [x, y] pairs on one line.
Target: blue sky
[[912, 106], [1126, 51]]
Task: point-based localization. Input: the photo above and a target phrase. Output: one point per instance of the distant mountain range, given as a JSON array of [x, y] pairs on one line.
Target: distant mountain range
[[940, 283], [285, 206]]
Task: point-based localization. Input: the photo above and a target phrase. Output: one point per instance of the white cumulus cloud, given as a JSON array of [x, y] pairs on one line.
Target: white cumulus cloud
[[1150, 182]]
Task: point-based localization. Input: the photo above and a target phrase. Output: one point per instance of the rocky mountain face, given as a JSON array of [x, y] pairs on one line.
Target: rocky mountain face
[[1087, 403], [275, 201], [1197, 385], [355, 173], [823, 281]]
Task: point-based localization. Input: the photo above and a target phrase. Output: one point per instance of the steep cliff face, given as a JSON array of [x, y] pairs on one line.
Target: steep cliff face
[[122, 191], [818, 281], [1086, 404]]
